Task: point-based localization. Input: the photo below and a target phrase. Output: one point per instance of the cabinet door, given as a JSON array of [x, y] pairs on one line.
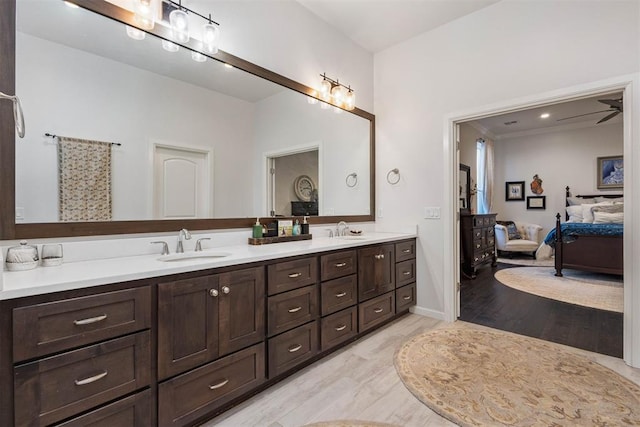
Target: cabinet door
[[242, 309], [187, 324], [376, 271]]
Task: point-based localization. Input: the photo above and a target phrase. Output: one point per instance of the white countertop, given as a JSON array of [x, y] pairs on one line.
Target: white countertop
[[83, 274]]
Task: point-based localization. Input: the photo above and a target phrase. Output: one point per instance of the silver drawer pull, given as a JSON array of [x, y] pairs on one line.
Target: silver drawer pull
[[341, 294], [407, 251], [378, 310], [294, 275], [340, 264], [295, 348], [294, 310], [406, 298], [379, 256], [341, 328], [220, 384], [407, 273], [91, 379], [213, 292], [225, 290], [90, 320]]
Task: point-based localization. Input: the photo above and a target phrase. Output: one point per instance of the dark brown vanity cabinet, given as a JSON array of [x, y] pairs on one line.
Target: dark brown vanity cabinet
[[405, 294], [204, 318], [376, 271]]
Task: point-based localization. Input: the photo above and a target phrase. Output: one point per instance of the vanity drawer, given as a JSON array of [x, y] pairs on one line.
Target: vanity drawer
[[405, 250], [338, 294], [405, 297], [61, 386], [405, 272], [291, 309], [131, 411], [288, 275], [57, 326], [338, 328], [375, 311], [338, 264], [190, 396], [292, 348]]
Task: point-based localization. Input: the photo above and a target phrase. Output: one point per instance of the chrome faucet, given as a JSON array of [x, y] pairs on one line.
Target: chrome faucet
[[199, 243], [341, 228], [183, 233]]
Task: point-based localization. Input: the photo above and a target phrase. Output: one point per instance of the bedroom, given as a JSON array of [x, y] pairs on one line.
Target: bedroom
[[562, 152]]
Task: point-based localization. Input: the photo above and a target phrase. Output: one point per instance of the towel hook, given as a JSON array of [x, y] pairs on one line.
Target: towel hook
[[353, 181], [391, 180]]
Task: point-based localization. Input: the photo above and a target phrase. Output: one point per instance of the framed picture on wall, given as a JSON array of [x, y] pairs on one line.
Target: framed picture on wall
[[514, 191], [536, 202], [610, 172]]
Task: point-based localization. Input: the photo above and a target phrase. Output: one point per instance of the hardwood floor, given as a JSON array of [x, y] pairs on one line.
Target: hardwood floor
[[485, 301]]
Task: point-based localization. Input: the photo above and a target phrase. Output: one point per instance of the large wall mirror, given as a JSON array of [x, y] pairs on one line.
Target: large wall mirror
[[198, 142]]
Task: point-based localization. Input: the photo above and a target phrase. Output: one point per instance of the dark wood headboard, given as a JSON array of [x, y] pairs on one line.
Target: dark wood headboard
[[585, 196]]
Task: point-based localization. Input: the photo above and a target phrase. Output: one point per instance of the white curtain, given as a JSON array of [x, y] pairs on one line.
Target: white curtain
[[485, 175]]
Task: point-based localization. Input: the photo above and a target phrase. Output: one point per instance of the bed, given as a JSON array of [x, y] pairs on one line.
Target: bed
[[589, 246]]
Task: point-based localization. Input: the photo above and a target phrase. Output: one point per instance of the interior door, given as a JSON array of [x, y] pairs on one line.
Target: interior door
[[181, 183], [457, 222]]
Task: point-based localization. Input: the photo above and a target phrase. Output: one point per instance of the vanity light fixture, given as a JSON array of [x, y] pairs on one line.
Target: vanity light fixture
[[198, 57], [179, 24], [135, 33], [144, 14], [170, 46], [336, 93], [210, 36]]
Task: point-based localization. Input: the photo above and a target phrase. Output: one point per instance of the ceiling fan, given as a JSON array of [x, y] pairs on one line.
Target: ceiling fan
[[615, 108]]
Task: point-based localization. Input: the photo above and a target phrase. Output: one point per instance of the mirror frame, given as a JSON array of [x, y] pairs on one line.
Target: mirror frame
[[10, 230]]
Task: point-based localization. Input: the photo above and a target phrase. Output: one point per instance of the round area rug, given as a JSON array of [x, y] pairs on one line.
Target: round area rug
[[349, 423], [528, 262], [601, 291], [476, 377]]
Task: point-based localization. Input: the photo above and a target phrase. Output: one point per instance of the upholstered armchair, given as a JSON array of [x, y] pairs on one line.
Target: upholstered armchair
[[507, 240]]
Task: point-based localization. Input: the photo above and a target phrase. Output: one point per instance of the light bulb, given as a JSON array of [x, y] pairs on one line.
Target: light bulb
[[169, 46], [197, 56], [144, 14], [179, 25], [325, 90], [135, 33], [350, 100], [338, 95], [210, 37]]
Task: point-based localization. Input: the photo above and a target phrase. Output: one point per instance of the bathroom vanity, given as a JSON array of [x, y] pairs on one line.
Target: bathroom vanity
[[176, 343]]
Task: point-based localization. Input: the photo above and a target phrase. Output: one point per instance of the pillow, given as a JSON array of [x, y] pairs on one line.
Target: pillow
[[587, 213], [575, 213], [512, 230], [609, 199], [615, 208], [608, 217], [574, 201]]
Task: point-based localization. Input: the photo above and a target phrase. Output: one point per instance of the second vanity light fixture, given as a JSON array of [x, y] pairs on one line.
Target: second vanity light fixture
[[144, 17], [334, 92]]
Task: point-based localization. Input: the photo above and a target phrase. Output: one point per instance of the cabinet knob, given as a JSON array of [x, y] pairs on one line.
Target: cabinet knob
[[379, 256], [213, 292], [225, 290]]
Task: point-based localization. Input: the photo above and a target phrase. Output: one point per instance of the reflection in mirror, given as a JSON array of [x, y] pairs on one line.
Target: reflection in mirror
[[196, 138], [464, 179]]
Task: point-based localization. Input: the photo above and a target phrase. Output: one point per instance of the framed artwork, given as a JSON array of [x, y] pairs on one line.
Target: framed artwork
[[610, 172], [536, 202], [514, 191]]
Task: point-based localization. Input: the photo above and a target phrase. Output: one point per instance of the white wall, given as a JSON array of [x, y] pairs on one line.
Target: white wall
[[57, 86], [510, 50], [560, 159]]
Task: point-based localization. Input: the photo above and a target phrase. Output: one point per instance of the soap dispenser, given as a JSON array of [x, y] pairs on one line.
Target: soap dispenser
[[304, 226], [257, 229]]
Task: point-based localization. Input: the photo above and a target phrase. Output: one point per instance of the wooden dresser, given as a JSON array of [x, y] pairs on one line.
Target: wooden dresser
[[477, 242]]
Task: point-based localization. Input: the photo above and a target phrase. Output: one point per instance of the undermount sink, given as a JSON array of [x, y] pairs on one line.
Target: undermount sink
[[353, 237], [193, 256]]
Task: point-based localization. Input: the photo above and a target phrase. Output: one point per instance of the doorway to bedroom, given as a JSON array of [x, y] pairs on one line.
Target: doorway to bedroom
[[540, 160]]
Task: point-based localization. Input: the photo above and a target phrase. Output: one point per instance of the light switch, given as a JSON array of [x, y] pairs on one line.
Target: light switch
[[380, 213], [432, 212]]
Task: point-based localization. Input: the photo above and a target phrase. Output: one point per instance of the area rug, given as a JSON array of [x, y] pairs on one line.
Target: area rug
[[484, 378], [349, 423], [528, 262], [601, 291]]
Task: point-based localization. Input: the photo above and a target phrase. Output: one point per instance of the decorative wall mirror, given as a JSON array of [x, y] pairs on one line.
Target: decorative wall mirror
[[79, 75], [464, 179]]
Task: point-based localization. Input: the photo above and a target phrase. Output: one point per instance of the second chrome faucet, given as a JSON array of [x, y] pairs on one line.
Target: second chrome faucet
[[184, 233]]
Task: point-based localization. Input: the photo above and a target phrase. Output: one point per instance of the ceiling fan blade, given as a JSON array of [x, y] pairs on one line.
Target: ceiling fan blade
[[615, 103], [581, 115], [610, 116]]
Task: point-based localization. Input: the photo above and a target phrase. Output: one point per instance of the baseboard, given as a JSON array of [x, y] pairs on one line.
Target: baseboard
[[439, 315]]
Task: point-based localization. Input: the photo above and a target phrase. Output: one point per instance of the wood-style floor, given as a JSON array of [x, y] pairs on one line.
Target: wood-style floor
[[359, 382], [485, 301]]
